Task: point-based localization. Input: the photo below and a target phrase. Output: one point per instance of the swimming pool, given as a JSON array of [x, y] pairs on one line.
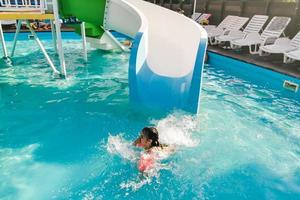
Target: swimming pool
[[58, 138]]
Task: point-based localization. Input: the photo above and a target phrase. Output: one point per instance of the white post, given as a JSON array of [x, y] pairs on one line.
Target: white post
[[3, 42], [16, 38], [53, 35], [42, 48], [122, 47], [83, 36], [59, 39], [42, 6], [194, 8]]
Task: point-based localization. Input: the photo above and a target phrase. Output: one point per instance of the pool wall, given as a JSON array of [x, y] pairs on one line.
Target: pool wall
[[253, 73], [41, 35]]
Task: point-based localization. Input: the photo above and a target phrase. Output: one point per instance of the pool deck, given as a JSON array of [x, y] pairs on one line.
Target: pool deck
[[272, 62], [63, 29]]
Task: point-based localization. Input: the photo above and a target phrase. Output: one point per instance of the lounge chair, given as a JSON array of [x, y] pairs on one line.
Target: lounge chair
[[8, 22], [292, 56], [281, 46], [254, 26], [273, 31], [235, 23], [196, 16]]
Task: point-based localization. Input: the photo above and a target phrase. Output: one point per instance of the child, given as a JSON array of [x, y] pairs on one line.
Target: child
[[180, 11], [149, 140], [127, 43]]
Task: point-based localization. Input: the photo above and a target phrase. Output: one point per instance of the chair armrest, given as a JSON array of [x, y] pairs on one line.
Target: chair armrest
[[252, 36], [237, 33], [269, 40], [284, 41], [292, 49], [226, 32], [208, 27]]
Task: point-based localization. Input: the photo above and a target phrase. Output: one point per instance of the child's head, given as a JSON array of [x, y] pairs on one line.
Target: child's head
[[149, 137], [180, 11], [127, 43]]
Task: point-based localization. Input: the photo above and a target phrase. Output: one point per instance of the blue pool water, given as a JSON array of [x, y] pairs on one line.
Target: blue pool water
[[70, 139]]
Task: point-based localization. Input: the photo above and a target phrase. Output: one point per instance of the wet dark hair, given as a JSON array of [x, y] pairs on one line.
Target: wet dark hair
[[151, 133]]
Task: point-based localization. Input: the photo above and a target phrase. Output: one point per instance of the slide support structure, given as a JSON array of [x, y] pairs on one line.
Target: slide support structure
[[59, 39], [84, 46], [3, 42], [16, 37]]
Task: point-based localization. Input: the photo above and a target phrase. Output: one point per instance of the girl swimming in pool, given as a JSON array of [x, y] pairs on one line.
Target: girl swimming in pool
[[149, 140]]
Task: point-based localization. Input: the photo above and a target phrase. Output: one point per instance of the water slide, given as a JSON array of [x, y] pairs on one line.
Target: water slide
[[167, 55]]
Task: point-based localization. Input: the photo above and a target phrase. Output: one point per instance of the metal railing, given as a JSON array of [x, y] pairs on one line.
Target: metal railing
[[24, 5]]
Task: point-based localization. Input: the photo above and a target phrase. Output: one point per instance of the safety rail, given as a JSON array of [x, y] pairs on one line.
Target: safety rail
[[24, 5]]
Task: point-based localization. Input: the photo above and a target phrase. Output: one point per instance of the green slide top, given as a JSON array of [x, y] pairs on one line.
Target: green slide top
[[89, 11]]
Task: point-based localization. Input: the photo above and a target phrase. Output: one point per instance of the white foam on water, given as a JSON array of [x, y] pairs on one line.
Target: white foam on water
[[177, 129], [135, 185], [119, 146], [145, 178]]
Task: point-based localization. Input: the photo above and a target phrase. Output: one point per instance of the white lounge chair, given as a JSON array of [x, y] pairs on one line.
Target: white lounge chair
[[292, 56], [254, 26], [9, 22], [235, 23], [196, 16], [281, 46], [273, 31]]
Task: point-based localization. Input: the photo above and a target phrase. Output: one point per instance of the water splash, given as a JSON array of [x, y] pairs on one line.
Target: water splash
[[174, 130], [177, 129], [119, 146], [134, 185]]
